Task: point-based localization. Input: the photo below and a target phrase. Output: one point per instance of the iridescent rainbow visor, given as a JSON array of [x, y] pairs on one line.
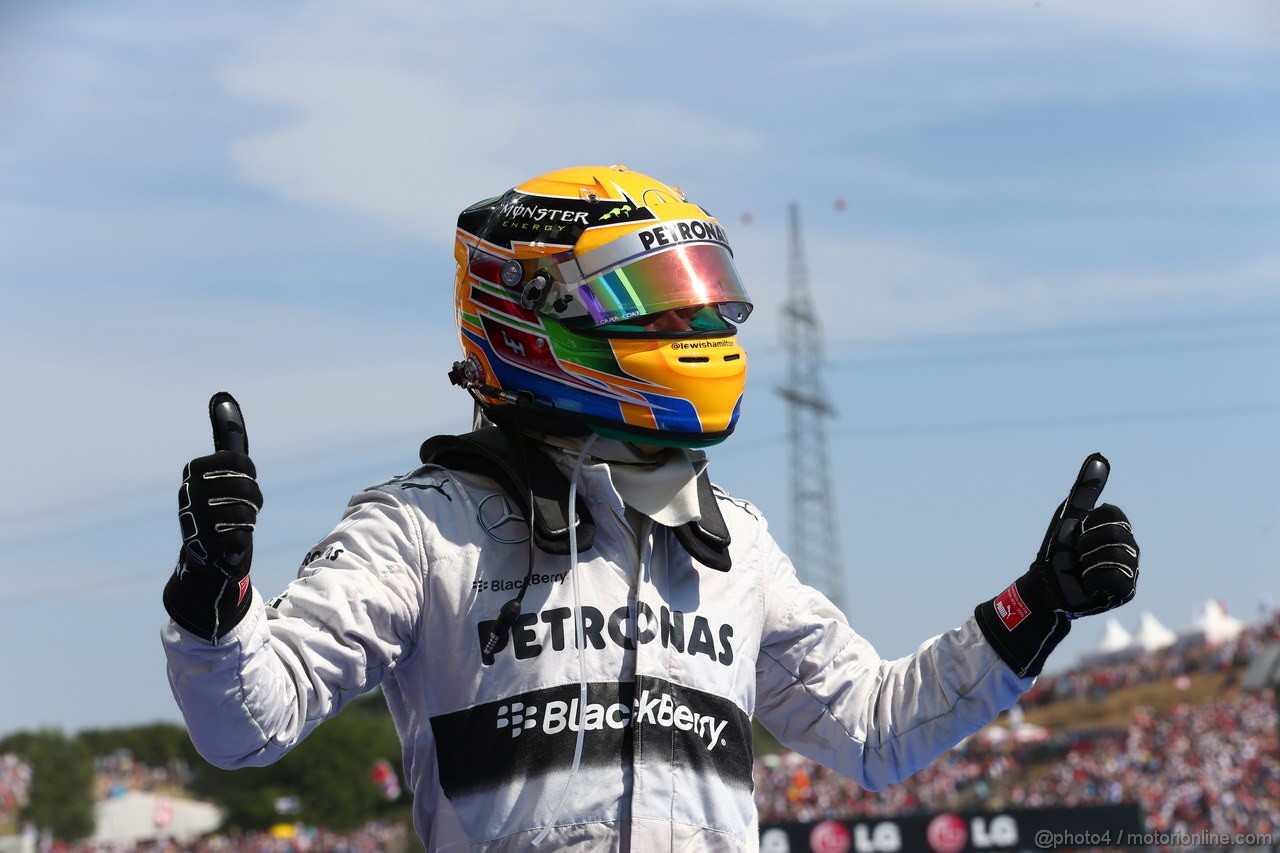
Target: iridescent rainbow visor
[[676, 264]]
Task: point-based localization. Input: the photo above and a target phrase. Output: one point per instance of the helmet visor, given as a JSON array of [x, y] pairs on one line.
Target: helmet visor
[[680, 276]]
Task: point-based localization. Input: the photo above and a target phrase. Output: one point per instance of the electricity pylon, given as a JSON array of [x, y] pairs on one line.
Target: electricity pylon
[[815, 545]]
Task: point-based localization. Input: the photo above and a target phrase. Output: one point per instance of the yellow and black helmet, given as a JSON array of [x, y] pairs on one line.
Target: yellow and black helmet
[[597, 298]]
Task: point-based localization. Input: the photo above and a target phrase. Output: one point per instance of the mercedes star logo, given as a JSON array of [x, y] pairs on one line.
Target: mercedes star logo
[[495, 513]]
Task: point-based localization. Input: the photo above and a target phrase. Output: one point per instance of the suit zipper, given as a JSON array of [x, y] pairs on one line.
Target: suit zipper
[[631, 536]]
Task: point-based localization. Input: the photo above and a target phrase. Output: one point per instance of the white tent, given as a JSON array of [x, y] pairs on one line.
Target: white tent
[[137, 816], [1214, 625], [24, 843], [1030, 733], [1151, 635], [1114, 642], [1018, 730]]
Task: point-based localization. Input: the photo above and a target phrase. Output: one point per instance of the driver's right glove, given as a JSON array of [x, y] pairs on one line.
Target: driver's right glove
[[218, 504]]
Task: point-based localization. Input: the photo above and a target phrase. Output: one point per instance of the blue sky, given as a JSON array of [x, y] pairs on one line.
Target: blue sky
[[1060, 236]]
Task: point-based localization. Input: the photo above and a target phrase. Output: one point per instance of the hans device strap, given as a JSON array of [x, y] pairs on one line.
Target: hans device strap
[[525, 473]]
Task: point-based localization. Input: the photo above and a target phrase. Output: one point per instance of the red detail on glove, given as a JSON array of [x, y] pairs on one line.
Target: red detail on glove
[[1011, 608], [244, 589]]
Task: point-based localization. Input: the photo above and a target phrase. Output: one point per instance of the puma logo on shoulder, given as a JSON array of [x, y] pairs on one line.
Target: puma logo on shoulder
[[439, 487]]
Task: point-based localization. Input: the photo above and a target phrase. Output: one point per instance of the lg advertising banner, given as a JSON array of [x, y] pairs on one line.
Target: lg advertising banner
[[1012, 829]]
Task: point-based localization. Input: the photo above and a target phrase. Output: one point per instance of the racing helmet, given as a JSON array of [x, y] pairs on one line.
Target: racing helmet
[[599, 299]]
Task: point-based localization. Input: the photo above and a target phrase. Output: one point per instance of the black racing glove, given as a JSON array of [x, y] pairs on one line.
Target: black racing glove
[[1087, 564], [218, 506]]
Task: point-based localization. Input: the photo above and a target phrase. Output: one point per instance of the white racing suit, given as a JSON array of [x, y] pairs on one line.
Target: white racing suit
[[678, 658]]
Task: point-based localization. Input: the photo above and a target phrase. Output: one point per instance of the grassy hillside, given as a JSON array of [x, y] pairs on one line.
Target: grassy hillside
[[1116, 708]]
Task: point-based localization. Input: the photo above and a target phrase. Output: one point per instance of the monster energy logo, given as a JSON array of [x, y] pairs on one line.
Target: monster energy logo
[[617, 211]]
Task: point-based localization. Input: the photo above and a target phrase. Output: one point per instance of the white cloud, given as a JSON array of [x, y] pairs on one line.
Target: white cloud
[[1209, 24], [904, 286], [408, 112], [412, 148], [908, 290], [1220, 172], [1215, 24], [402, 123]]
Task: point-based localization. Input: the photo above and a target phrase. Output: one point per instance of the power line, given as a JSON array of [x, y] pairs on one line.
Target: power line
[[72, 586], [1108, 330], [78, 587], [738, 446], [1056, 422], [1059, 422], [1111, 331], [1046, 354], [27, 516], [81, 587], [301, 466]]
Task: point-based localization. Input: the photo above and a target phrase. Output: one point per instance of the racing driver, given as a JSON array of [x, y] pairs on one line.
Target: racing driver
[[573, 628]]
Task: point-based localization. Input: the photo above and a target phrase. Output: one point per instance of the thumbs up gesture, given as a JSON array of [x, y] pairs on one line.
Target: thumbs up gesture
[[1089, 556], [218, 506], [1088, 563]]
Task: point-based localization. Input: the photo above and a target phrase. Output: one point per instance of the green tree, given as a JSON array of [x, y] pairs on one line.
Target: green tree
[[61, 796], [154, 745], [328, 774]]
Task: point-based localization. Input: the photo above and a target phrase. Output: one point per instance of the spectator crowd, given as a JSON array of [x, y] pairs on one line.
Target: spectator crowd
[[15, 781], [1212, 767], [375, 837], [1095, 682], [1207, 767], [119, 772]]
